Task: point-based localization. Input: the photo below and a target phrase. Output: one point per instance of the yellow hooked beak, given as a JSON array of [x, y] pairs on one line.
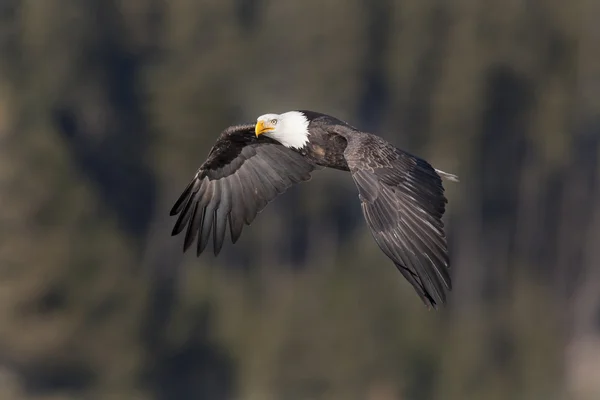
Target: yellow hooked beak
[[261, 128]]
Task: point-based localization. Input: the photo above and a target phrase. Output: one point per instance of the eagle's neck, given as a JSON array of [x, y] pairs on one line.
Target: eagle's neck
[[292, 130]]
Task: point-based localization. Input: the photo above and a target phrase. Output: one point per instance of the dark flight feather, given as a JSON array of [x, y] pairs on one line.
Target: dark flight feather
[[403, 201], [241, 175]]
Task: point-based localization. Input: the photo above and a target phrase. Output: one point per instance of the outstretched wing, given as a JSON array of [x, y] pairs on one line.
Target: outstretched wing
[[241, 176], [403, 202]]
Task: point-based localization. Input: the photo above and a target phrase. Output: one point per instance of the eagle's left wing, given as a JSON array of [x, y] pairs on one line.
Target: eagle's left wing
[[403, 202]]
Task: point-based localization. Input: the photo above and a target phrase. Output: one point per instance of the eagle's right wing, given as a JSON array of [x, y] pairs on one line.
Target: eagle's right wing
[[403, 201], [241, 176]]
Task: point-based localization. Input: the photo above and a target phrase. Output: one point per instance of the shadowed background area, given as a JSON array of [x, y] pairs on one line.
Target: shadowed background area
[[108, 107]]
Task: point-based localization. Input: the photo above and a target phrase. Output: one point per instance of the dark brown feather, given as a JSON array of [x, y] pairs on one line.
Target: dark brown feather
[[241, 175], [403, 202]]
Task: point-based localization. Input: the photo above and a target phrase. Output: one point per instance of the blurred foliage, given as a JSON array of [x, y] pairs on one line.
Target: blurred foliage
[[107, 107]]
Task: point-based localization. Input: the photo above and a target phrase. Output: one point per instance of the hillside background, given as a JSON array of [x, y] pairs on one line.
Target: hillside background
[[107, 107]]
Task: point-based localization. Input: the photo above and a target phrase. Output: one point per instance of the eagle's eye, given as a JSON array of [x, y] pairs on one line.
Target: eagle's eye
[[274, 121]]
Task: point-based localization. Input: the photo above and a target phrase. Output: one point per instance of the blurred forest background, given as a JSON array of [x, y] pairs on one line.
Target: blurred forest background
[[107, 107]]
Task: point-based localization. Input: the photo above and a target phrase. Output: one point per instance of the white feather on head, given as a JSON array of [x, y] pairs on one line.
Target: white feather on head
[[290, 128]]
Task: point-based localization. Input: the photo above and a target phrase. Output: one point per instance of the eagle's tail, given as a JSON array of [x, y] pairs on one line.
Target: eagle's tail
[[445, 175]]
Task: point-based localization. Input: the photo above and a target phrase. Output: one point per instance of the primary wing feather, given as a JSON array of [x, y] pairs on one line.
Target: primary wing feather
[[403, 201], [241, 175]]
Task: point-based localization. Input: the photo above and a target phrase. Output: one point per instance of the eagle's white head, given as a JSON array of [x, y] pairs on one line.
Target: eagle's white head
[[290, 128]]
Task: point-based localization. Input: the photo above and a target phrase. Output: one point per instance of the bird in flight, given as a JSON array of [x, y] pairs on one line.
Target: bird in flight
[[401, 195]]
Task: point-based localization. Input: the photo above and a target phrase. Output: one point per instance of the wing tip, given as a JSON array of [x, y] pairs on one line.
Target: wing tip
[[433, 304], [190, 190], [186, 244], [217, 246], [447, 176], [176, 229]]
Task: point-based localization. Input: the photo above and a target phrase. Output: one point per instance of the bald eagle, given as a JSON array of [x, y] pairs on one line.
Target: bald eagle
[[401, 195]]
